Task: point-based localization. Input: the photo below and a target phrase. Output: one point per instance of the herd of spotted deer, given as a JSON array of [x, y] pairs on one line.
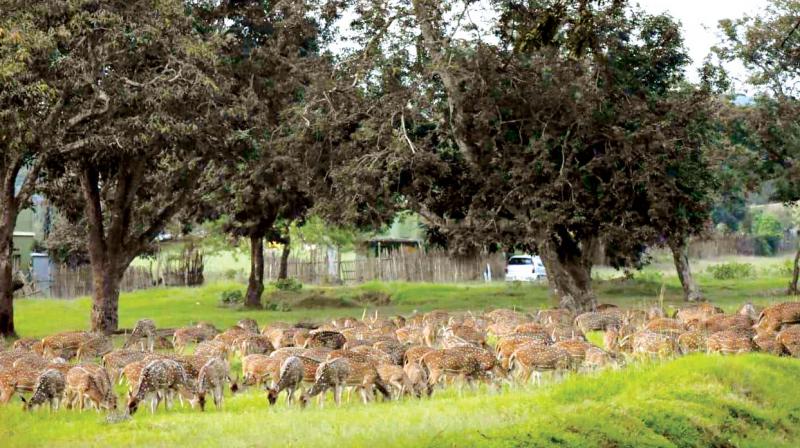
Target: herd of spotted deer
[[396, 356]]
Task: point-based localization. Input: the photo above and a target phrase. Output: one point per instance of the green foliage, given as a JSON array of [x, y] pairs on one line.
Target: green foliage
[[287, 284], [282, 307], [231, 297], [768, 232], [649, 276], [732, 271]]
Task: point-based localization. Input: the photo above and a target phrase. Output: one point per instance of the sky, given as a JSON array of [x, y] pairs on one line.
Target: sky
[[699, 19]]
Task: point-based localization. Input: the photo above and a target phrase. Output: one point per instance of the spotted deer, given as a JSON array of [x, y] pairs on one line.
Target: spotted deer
[[259, 369], [699, 312], [49, 389], [729, 342], [253, 344], [789, 340], [144, 334], [332, 374], [89, 382], [597, 321], [250, 325], [419, 379], [691, 341], [773, 317], [330, 339], [64, 345], [116, 361], [597, 358], [29, 345], [396, 378], [507, 345], [291, 374], [665, 325], [652, 344], [530, 360], [212, 378], [362, 376], [96, 346], [162, 377], [215, 348], [184, 336], [442, 363]]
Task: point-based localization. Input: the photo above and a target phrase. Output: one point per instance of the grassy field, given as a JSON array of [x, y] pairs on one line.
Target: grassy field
[[698, 401], [695, 401]]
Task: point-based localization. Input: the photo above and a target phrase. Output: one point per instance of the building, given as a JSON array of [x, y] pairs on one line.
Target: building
[[24, 239]]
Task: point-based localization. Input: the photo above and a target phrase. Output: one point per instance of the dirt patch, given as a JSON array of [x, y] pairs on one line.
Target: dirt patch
[[374, 298]]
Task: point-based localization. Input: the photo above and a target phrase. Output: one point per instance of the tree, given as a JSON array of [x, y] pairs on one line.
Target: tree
[[29, 104], [272, 54], [143, 120], [551, 139], [766, 45]]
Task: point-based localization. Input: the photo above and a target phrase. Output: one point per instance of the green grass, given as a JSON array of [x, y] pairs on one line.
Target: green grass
[[698, 401]]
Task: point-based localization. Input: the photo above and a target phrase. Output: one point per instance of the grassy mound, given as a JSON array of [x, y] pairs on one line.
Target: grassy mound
[[697, 401]]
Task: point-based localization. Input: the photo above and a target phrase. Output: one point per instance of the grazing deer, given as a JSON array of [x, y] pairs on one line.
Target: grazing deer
[[773, 317], [97, 345], [184, 336], [597, 358], [332, 374], [530, 360], [229, 336], [597, 321], [115, 361], [291, 375], [161, 377], [394, 349], [254, 344], [576, 349], [258, 369], [64, 345], [555, 316], [507, 345], [211, 378], [415, 353], [419, 379], [144, 329], [89, 382], [395, 377], [452, 362], [49, 389], [721, 322]]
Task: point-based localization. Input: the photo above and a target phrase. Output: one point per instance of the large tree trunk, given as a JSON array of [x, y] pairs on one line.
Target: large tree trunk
[[105, 300], [8, 218], [680, 254], [283, 273], [6, 292], [569, 271], [795, 274], [255, 286]]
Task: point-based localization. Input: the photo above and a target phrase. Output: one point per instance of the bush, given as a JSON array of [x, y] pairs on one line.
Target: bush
[[231, 297], [287, 284], [730, 271], [277, 306]]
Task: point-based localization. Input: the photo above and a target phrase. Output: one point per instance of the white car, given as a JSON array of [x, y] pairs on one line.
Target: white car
[[525, 268]]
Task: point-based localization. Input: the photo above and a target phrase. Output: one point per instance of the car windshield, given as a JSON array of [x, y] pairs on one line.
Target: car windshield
[[519, 261]]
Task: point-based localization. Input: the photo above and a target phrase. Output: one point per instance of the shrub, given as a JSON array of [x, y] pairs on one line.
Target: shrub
[[231, 297], [288, 284], [730, 271], [277, 306]]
